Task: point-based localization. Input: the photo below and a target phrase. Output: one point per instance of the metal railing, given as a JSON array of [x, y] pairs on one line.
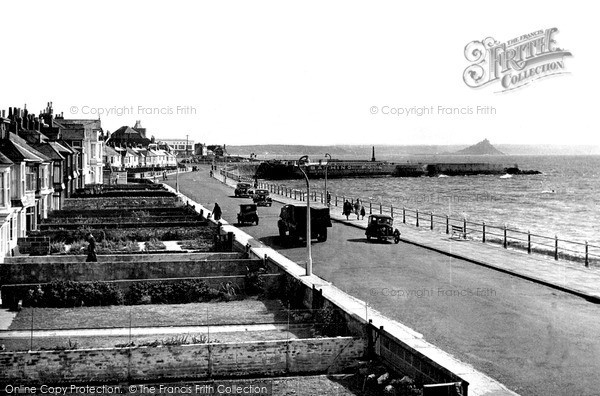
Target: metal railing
[[556, 247]]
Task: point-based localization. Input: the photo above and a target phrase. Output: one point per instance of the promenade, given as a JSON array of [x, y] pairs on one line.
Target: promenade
[[564, 275], [533, 338]]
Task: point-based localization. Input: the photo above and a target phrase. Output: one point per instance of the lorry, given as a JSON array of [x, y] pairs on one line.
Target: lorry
[[292, 222]]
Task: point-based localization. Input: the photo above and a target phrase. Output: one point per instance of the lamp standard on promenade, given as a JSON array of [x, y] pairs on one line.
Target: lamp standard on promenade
[[177, 175], [301, 161], [326, 166]]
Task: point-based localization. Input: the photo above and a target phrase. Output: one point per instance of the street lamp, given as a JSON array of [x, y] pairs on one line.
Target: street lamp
[[304, 159], [176, 175], [326, 166]]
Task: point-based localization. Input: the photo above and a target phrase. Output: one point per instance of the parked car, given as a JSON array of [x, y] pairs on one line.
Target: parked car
[[382, 227], [292, 221], [247, 214], [241, 189], [261, 197]]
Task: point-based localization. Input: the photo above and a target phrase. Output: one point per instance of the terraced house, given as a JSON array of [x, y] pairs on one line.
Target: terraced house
[[39, 168]]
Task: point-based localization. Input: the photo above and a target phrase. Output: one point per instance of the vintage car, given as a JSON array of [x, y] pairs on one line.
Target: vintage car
[[261, 197], [248, 214], [241, 190], [381, 227]]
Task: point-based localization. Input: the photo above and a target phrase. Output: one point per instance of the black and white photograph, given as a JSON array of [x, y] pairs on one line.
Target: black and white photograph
[[284, 198]]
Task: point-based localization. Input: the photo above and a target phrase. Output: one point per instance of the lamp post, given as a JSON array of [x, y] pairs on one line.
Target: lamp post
[[304, 159], [176, 175], [326, 166]]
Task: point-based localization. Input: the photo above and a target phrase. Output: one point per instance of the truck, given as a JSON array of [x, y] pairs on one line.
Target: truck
[[292, 222]]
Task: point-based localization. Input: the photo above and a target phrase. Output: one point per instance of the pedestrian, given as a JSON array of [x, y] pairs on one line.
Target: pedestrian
[[117, 179], [91, 257], [217, 212], [328, 198], [347, 209], [357, 208], [362, 212]]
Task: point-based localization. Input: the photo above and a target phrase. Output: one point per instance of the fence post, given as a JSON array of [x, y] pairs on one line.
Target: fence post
[[431, 223], [483, 232], [336, 200], [505, 244], [587, 260], [370, 207], [555, 247], [392, 210], [447, 225], [380, 208], [417, 211], [295, 194], [403, 215], [464, 228], [528, 242]]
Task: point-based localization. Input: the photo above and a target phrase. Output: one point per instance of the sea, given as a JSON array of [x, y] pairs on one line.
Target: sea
[[563, 200]]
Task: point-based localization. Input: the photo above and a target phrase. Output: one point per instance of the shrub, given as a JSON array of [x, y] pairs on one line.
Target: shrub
[[65, 294]]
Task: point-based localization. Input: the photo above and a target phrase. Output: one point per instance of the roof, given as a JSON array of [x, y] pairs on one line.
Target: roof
[[17, 153], [62, 148], [48, 151], [73, 134], [128, 134], [77, 123], [4, 160], [111, 151]]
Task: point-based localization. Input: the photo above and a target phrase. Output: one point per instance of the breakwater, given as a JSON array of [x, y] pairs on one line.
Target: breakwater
[[336, 169]]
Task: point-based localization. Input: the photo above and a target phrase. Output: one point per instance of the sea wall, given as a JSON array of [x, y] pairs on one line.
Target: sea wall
[[201, 361]]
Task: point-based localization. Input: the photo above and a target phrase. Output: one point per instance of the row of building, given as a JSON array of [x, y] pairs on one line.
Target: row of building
[[43, 160]]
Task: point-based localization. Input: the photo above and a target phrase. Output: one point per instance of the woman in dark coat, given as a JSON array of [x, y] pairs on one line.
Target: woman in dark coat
[[347, 209], [91, 257], [217, 212]]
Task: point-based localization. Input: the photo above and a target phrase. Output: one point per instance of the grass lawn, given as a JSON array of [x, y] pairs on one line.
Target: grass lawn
[[248, 311]]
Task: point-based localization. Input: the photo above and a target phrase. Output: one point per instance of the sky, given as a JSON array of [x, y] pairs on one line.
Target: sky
[[282, 72]]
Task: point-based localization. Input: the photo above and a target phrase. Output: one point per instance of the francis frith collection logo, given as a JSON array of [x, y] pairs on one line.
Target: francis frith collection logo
[[516, 62]]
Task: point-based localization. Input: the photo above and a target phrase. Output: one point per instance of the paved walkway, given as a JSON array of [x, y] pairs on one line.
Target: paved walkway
[[563, 275]]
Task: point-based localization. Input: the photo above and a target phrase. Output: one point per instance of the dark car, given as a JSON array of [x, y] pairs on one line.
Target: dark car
[[241, 190], [261, 197], [381, 227], [248, 214]]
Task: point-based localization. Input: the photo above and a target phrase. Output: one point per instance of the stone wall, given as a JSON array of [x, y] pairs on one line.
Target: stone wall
[[113, 365], [36, 246], [107, 271]]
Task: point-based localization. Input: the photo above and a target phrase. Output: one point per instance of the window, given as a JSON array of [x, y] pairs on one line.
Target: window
[[3, 188], [57, 173], [30, 179], [76, 143], [22, 178], [93, 150]]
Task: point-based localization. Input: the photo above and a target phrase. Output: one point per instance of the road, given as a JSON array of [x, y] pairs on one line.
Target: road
[[533, 339]]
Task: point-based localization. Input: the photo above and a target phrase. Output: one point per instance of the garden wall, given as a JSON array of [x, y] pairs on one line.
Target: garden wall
[[106, 271], [200, 361]]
